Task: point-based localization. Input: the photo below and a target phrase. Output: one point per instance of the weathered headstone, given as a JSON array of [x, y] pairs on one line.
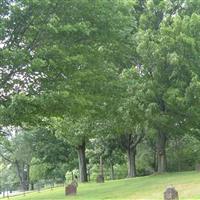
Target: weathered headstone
[[170, 193], [100, 178], [71, 189]]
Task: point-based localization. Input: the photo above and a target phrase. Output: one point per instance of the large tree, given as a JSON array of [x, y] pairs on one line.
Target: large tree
[[130, 119], [168, 56], [73, 52]]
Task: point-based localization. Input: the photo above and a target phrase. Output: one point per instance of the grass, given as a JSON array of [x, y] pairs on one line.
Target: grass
[[141, 188]]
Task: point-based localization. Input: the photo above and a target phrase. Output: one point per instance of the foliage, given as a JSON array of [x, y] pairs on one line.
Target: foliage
[[95, 76]]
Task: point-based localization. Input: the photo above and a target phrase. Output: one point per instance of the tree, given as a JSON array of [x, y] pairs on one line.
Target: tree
[[74, 48], [105, 148], [130, 119], [77, 133], [16, 150], [168, 56]]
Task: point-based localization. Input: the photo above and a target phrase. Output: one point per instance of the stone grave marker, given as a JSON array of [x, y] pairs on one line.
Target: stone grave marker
[[170, 193], [71, 189], [100, 179]]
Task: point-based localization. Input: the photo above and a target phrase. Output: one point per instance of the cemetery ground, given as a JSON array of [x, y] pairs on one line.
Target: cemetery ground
[[140, 188]]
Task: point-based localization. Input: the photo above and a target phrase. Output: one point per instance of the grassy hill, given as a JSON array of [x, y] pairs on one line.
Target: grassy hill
[[146, 188]]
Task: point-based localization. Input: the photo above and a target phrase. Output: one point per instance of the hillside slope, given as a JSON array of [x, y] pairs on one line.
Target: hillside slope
[[141, 188]]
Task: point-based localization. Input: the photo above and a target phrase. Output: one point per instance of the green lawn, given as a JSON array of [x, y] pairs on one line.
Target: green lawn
[[149, 187]]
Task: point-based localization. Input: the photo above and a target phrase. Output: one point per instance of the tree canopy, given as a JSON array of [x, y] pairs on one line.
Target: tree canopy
[[84, 76]]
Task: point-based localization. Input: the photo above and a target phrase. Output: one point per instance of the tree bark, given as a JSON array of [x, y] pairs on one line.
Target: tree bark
[[101, 166], [28, 176], [82, 162], [161, 154], [32, 186], [131, 153], [19, 174], [129, 143], [112, 175], [88, 174], [155, 163], [25, 176]]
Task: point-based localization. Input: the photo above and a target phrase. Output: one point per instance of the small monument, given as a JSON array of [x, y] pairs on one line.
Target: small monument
[[100, 179], [170, 193], [71, 189]]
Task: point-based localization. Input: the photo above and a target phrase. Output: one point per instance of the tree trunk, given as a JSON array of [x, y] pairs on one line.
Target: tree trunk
[[112, 174], [131, 153], [32, 186], [129, 143], [25, 176], [100, 177], [82, 162], [155, 162], [101, 166], [19, 174], [161, 154], [23, 171], [177, 154], [88, 174]]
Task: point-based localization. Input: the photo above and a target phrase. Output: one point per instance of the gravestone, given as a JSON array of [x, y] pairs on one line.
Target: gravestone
[[170, 193], [71, 189], [100, 178]]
